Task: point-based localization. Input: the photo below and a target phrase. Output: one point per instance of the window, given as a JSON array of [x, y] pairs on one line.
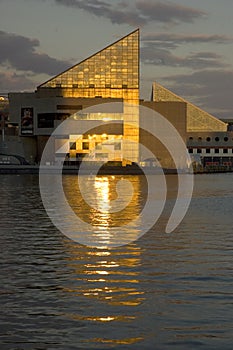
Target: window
[[85, 145], [46, 120], [217, 139], [72, 145], [190, 150], [207, 150], [216, 150], [69, 107], [208, 139], [225, 150], [226, 139], [199, 150]]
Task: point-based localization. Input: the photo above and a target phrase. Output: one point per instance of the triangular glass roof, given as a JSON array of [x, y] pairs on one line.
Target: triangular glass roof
[[197, 119], [114, 67]]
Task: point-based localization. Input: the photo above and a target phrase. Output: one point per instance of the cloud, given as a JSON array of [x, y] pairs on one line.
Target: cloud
[[136, 13], [151, 54], [168, 12], [158, 50], [15, 82], [172, 41], [20, 52], [118, 13], [210, 89]]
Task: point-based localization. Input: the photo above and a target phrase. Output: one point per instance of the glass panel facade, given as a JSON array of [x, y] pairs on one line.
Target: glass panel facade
[[112, 72], [197, 119]]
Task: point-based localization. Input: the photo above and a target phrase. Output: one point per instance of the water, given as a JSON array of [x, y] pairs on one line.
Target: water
[[164, 291]]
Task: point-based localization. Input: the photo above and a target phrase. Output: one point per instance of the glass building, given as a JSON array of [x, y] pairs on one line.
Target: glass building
[[110, 75]]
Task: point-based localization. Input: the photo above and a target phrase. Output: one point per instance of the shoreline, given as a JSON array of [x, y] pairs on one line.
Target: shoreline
[[69, 170], [104, 170]]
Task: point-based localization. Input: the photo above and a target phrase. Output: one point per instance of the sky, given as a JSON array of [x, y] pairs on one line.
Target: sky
[[186, 45]]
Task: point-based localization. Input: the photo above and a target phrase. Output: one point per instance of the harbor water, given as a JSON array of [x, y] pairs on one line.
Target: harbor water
[[163, 291]]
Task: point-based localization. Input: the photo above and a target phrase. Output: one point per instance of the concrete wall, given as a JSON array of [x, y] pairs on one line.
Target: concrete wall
[[175, 113]]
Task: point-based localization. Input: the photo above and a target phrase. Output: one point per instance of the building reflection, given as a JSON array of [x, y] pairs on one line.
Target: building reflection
[[109, 279], [108, 208], [110, 276]]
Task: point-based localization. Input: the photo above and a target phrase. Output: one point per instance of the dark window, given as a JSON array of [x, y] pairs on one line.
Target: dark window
[[226, 139], [199, 138], [72, 145], [225, 150], [199, 150], [190, 150], [46, 120], [208, 139], [85, 145], [216, 150], [70, 107], [207, 150], [217, 139], [191, 138]]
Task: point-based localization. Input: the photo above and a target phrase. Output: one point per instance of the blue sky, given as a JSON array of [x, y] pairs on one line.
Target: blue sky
[[186, 45]]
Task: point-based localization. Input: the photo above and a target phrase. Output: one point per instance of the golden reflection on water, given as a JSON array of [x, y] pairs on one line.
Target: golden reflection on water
[[109, 278], [97, 208], [113, 279], [125, 341]]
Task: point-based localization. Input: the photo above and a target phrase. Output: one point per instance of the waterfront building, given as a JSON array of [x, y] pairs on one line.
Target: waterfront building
[[111, 75]]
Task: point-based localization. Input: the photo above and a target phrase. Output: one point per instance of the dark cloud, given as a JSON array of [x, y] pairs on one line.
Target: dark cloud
[[20, 53], [151, 54], [117, 13], [167, 12], [213, 88], [15, 82], [136, 13], [171, 41]]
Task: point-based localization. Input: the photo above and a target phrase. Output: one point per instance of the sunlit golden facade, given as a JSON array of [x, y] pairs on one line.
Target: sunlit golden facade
[[112, 73]]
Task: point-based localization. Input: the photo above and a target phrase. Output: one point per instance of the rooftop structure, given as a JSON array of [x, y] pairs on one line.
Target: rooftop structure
[[197, 119]]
